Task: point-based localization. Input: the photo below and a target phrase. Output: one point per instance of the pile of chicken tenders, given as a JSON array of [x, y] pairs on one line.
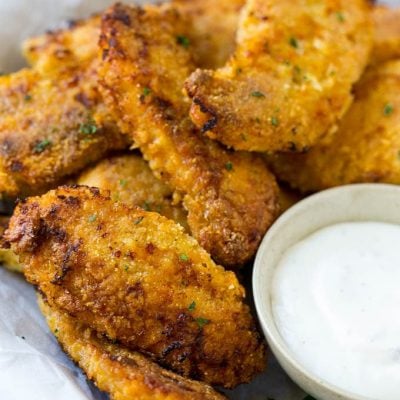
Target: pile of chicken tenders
[[144, 147]]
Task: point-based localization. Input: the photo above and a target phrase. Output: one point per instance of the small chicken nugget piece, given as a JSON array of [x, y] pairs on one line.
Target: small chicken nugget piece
[[231, 197], [386, 34], [124, 374], [138, 278], [130, 180], [290, 79], [213, 26], [7, 257], [366, 146], [48, 130]]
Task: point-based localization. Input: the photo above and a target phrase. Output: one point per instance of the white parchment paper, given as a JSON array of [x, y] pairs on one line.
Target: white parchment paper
[[32, 365]]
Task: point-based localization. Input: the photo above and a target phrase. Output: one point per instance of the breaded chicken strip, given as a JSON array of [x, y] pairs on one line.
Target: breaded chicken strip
[[366, 146], [60, 50], [231, 197], [138, 278], [7, 257], [290, 79], [387, 34], [48, 130], [213, 26], [124, 374], [130, 180]]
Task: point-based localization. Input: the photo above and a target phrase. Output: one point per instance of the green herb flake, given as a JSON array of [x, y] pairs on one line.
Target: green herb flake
[[243, 137], [138, 220], [192, 306], [388, 109], [56, 331], [146, 206], [27, 97], [126, 267], [275, 121], [146, 91], [123, 182], [92, 218], [201, 322], [183, 257], [257, 94], [41, 146], [340, 16], [183, 41], [229, 166], [23, 337], [89, 128], [294, 42]]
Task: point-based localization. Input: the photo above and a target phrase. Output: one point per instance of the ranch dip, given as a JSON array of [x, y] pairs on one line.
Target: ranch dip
[[336, 303]]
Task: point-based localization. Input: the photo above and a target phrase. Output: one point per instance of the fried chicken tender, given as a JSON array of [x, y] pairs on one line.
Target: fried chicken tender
[[290, 79], [386, 34], [60, 50], [138, 278], [366, 146], [124, 374], [231, 197], [7, 257], [130, 180], [213, 26], [48, 130]]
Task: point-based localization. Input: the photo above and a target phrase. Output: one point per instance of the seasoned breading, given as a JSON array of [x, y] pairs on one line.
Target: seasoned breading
[[124, 374], [7, 257], [366, 146], [290, 79], [130, 180], [386, 34], [49, 129], [213, 26], [138, 278], [60, 50], [231, 197]]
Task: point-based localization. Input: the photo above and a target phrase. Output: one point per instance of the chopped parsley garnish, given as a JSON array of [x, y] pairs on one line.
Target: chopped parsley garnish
[[138, 220], [28, 97], [146, 206], [183, 41], [126, 267], [229, 166], [123, 182], [274, 121], [192, 306], [92, 218], [258, 94], [56, 331], [340, 17], [243, 137], [202, 322], [23, 337], [294, 42], [146, 91], [89, 128], [388, 109], [183, 257], [41, 146]]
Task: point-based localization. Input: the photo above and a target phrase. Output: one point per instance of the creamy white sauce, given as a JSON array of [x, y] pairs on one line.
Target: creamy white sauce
[[336, 302]]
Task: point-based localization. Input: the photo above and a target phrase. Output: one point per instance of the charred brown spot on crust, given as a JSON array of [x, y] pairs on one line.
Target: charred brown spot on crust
[[136, 289], [84, 100], [170, 348], [118, 13], [67, 262], [213, 121], [16, 166], [150, 248]]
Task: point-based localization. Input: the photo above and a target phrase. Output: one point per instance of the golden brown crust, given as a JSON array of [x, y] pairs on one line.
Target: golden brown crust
[[386, 34], [212, 31], [7, 257], [231, 197], [47, 132], [138, 278], [124, 374], [366, 146], [130, 180], [290, 79]]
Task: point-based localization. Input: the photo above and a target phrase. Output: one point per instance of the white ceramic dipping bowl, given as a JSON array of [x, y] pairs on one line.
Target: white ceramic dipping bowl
[[363, 202]]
